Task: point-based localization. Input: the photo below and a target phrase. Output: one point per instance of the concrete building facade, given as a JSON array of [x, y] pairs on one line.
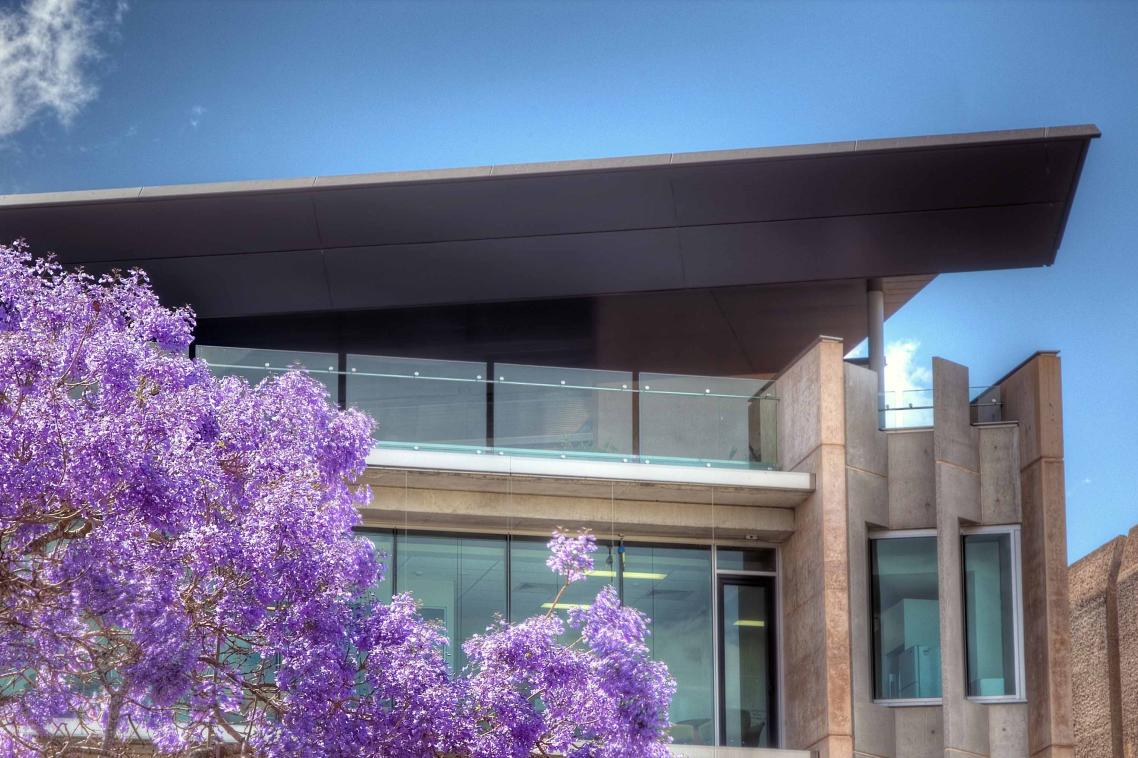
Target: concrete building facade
[[633, 346], [1104, 636]]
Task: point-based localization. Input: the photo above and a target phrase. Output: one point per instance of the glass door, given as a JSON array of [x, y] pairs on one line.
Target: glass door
[[747, 655]]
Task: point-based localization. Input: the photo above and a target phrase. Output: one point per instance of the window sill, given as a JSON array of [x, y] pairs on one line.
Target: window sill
[[910, 702]]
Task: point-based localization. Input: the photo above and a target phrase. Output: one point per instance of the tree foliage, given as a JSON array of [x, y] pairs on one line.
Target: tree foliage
[[177, 567]]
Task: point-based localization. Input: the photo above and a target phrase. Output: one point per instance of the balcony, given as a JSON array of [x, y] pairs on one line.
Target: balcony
[[539, 420]]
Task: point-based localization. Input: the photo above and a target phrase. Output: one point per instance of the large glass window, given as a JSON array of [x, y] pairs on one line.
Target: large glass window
[[383, 543], [906, 618], [414, 400], [460, 581], [582, 411], [463, 581], [747, 656], [255, 364], [672, 586], [991, 608], [533, 586]]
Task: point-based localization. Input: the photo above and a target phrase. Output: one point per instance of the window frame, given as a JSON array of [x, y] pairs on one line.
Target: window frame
[[892, 534], [1013, 532]]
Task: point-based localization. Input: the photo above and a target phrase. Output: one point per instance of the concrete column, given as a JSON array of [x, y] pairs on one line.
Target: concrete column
[[815, 559], [1033, 398], [956, 473], [875, 320]]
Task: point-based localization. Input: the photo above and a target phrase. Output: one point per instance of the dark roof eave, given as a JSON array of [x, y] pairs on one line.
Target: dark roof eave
[[1083, 132]]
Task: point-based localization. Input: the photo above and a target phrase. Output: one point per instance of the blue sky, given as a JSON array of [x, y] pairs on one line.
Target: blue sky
[[169, 92]]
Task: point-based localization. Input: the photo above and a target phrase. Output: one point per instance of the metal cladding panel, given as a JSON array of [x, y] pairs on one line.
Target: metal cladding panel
[[882, 208], [238, 285], [866, 183], [866, 246], [542, 267], [494, 208], [167, 227]]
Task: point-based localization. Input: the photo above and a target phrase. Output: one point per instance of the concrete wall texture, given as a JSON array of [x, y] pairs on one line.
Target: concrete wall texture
[[1104, 631]]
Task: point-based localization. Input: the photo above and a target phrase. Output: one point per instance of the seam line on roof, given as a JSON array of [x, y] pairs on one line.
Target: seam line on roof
[[666, 227]]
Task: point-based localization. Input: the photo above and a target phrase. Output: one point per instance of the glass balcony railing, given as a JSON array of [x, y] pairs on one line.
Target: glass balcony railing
[[913, 408], [513, 409]]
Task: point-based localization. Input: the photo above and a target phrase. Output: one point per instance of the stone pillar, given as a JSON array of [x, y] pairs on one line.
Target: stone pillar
[[956, 462], [867, 488], [815, 562], [1032, 396]]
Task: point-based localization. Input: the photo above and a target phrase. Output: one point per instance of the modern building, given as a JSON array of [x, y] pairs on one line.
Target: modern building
[[1104, 645], [632, 345]]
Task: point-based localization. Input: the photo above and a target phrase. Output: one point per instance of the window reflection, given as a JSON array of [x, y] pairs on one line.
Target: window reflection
[[672, 586], [533, 586], [990, 612], [906, 618], [459, 581]]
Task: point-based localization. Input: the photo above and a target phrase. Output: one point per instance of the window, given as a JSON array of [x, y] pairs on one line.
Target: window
[[906, 617], [992, 613], [533, 586], [464, 581], [460, 581], [672, 586], [383, 543]]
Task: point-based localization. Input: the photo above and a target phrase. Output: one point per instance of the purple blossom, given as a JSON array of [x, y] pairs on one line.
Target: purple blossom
[[179, 563], [571, 554]]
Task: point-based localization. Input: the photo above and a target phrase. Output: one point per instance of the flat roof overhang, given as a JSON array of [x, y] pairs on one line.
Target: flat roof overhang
[[911, 207]]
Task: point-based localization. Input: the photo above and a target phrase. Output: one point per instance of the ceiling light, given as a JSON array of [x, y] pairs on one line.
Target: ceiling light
[[566, 605], [629, 574]]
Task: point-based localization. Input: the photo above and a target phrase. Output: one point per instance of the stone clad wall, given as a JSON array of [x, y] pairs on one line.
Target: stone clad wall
[[1104, 631], [950, 476], [815, 561]]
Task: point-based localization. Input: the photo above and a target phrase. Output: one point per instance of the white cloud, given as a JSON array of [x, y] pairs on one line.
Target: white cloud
[[196, 114], [907, 385], [46, 47]]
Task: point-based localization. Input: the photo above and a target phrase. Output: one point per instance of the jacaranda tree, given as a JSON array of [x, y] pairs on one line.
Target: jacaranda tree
[[178, 568]]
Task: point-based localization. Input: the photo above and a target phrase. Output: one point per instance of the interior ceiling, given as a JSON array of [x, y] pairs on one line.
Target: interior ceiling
[[745, 252]]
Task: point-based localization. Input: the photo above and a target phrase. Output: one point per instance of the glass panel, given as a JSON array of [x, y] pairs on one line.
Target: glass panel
[[747, 654], [562, 409], [460, 581], [415, 400], [673, 587], [383, 544], [990, 613], [708, 418], [906, 618], [256, 364], [533, 586], [742, 559]]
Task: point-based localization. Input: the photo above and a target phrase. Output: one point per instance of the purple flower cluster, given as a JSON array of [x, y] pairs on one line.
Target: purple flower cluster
[[570, 555], [177, 565]]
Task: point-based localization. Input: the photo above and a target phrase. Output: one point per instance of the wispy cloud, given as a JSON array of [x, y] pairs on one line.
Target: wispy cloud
[[46, 49], [196, 114], [907, 385]]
